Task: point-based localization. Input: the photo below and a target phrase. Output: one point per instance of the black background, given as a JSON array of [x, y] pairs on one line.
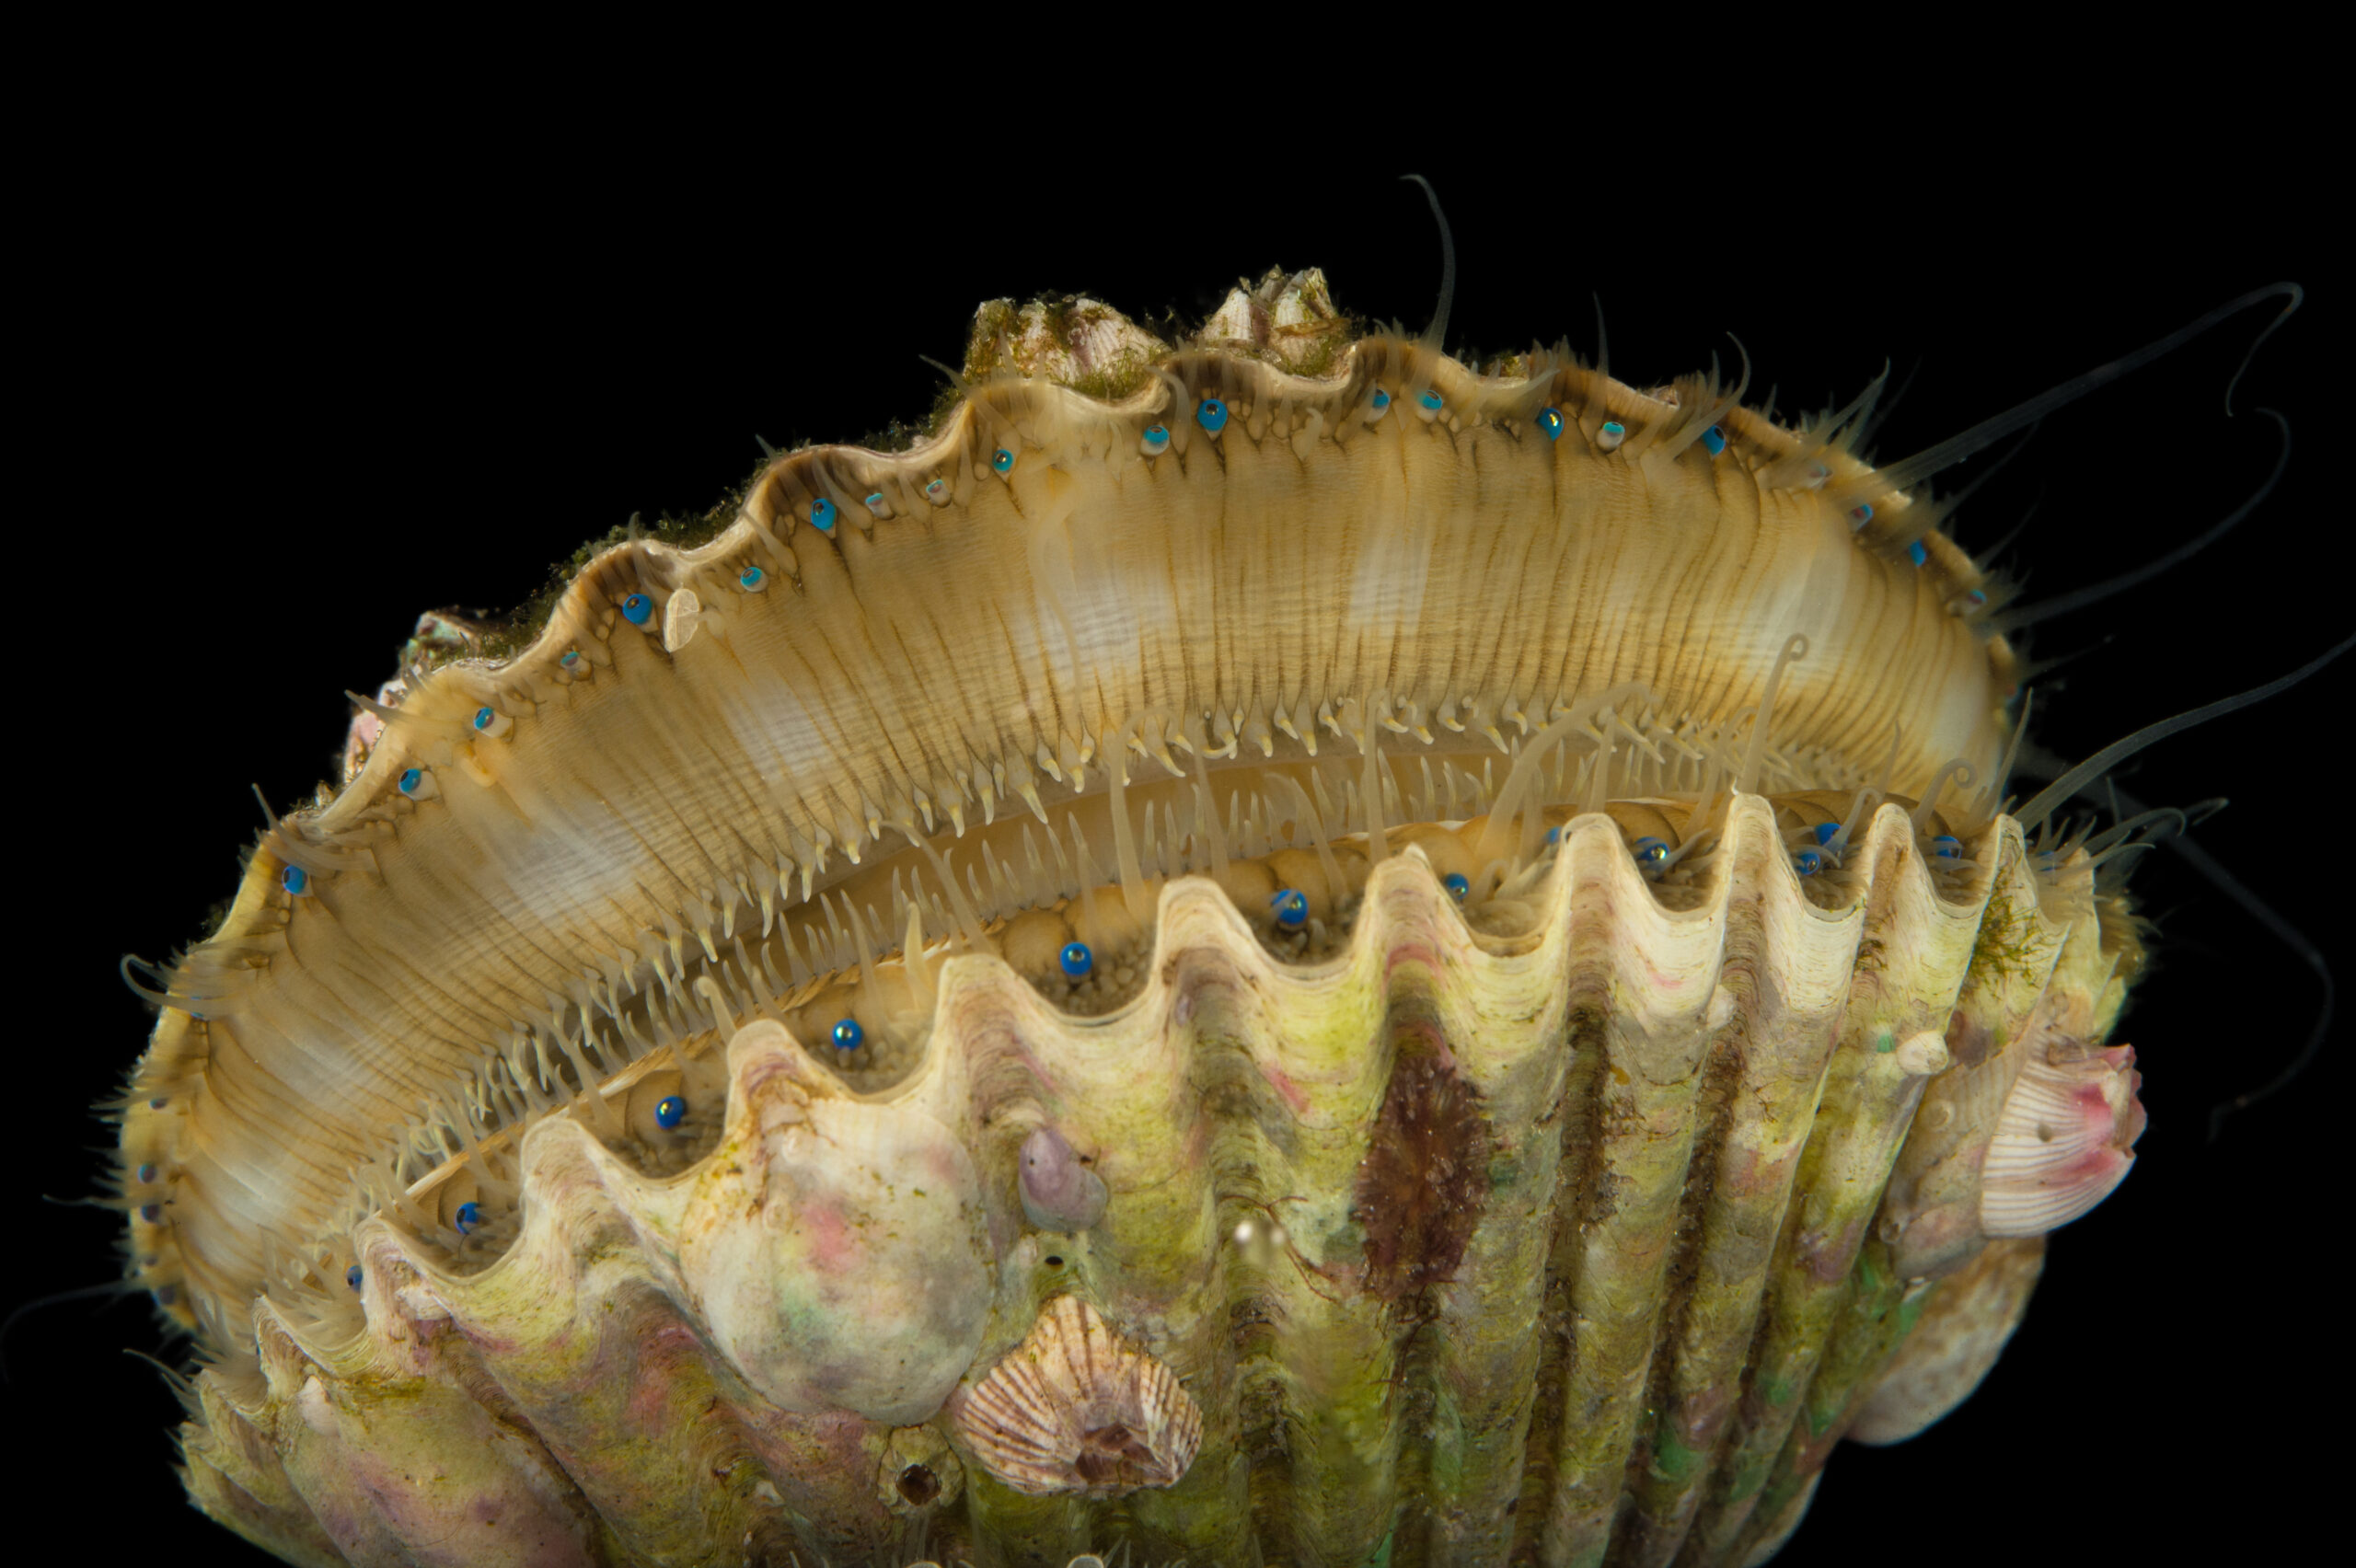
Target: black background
[[300, 376]]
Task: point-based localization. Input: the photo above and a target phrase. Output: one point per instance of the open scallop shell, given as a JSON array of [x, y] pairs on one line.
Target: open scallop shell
[[1580, 1240]]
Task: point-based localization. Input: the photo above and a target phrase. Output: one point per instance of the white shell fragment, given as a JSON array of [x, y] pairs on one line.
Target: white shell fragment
[[682, 613]]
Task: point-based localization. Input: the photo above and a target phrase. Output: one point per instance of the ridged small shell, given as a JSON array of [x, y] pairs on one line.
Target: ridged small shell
[[2065, 1139], [1076, 1409]]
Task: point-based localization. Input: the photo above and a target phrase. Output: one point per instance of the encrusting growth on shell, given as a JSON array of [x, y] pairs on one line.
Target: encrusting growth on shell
[[1959, 1330], [1075, 1409], [1475, 861]]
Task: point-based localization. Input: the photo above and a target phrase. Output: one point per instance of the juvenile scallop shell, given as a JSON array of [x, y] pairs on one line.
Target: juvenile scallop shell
[[1533, 1128], [1073, 1408]]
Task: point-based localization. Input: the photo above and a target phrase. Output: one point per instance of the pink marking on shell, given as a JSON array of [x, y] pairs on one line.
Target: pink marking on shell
[[1829, 1255], [667, 1347], [1295, 1096], [833, 1248], [2065, 1139], [1418, 955]]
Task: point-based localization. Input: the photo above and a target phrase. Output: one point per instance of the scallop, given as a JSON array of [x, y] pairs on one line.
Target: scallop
[[1180, 959]]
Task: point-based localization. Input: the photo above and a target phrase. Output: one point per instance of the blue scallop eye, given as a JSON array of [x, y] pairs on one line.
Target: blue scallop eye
[[1612, 433], [294, 880], [1459, 885], [1211, 414], [1431, 401], [1292, 908], [1807, 862], [1714, 439], [1001, 459], [669, 1111], [1554, 836], [874, 503], [569, 658], [469, 1216], [1652, 853], [1916, 553], [1947, 849], [352, 1276], [147, 1173], [411, 778], [751, 578], [485, 718], [1976, 596], [1381, 399], [151, 1212], [1826, 831], [636, 608], [1076, 961], [822, 515], [1860, 514], [1154, 441], [847, 1034], [937, 492], [1551, 421]]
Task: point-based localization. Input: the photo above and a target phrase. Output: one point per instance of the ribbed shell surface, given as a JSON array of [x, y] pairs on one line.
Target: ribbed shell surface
[[1652, 1278]]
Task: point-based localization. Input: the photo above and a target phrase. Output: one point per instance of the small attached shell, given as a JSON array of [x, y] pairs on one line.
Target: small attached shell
[[1924, 1055], [1076, 1409], [1058, 1192], [2065, 1139], [920, 1472]]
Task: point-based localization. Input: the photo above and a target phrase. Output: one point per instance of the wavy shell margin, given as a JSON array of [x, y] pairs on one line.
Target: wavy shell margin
[[1711, 1165]]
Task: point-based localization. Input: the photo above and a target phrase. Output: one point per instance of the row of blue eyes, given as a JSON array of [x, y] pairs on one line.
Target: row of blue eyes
[[1211, 414], [1291, 907]]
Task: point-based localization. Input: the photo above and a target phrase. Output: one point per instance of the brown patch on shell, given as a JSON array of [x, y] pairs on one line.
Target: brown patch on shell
[[1426, 1168], [1076, 1409]]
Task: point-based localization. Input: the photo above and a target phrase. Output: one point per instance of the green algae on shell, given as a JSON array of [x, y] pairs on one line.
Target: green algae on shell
[[1601, 692]]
